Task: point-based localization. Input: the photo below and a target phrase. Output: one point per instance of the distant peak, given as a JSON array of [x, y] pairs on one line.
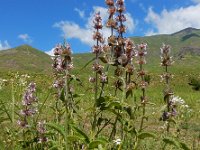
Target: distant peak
[[188, 30], [24, 46]]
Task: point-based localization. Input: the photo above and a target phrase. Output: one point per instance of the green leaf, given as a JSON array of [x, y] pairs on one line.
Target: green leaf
[[172, 120], [115, 104], [128, 93], [74, 138], [128, 109], [73, 77], [144, 135], [103, 59], [5, 110], [83, 134], [101, 102], [77, 95], [62, 95], [171, 141], [184, 146], [57, 127], [96, 143]]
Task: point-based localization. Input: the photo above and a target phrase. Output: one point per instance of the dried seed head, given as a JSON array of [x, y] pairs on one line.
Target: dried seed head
[[110, 2]]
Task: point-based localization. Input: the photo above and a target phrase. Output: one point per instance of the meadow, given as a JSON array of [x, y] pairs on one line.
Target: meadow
[[125, 95], [185, 129]]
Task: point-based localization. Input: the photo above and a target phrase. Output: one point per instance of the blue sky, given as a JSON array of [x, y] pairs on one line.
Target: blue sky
[[44, 23]]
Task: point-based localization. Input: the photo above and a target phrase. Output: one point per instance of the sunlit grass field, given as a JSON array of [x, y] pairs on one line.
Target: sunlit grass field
[[182, 70]]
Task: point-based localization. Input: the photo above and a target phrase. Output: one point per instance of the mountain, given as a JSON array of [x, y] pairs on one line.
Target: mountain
[[25, 58], [28, 59], [184, 42]]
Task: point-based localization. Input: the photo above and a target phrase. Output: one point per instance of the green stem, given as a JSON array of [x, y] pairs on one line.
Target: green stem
[[168, 107], [113, 132], [143, 99], [143, 116], [136, 143], [13, 105], [66, 109]]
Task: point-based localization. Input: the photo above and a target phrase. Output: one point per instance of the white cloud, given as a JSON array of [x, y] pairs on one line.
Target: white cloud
[[25, 37], [84, 34], [80, 12], [50, 52], [172, 21], [4, 45], [150, 32]]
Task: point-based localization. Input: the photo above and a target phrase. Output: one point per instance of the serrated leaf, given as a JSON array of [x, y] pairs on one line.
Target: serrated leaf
[[57, 127], [96, 143], [144, 135], [171, 141]]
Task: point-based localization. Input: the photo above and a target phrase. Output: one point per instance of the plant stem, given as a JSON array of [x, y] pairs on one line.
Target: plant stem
[[13, 105], [66, 109], [95, 95], [143, 99]]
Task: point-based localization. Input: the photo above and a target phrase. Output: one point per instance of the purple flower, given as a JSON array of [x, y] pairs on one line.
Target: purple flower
[[23, 124], [29, 97], [103, 78], [92, 79], [41, 130], [28, 112], [57, 50], [165, 116]]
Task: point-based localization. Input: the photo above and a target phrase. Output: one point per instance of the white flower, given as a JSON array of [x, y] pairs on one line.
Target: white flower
[[117, 141], [177, 100]]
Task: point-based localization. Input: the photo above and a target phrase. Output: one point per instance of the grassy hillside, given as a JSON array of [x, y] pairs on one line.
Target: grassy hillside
[[185, 127], [184, 44], [188, 37], [24, 58]]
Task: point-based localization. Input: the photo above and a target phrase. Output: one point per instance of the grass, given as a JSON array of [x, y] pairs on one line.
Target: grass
[[182, 70]]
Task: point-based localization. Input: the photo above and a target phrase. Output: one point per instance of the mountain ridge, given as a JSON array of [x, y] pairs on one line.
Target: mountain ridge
[[25, 58], [28, 59]]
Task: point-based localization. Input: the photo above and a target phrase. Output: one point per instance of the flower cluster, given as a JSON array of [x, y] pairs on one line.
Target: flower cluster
[[121, 17], [111, 23], [173, 103], [62, 59], [141, 53], [97, 36], [62, 62], [166, 59], [41, 132], [97, 49], [29, 99]]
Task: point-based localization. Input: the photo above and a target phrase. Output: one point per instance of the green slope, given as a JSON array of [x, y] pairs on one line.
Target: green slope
[[26, 59], [187, 38], [185, 44]]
